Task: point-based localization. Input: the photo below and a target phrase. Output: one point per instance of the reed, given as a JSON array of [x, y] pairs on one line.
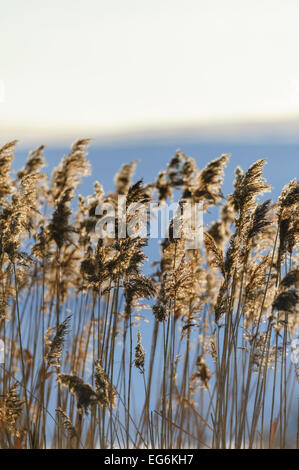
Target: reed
[[78, 312]]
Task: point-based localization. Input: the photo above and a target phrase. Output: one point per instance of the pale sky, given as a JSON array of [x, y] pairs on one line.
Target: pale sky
[[117, 65]]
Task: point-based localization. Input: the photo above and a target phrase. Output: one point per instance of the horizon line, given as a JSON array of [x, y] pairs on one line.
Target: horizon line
[[278, 128]]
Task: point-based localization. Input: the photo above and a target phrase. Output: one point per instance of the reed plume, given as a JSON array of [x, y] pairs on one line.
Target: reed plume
[[214, 364]]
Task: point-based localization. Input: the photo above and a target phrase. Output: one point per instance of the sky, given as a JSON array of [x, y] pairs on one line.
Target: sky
[[115, 66]]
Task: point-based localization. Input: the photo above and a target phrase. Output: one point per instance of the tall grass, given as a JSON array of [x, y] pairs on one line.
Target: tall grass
[[216, 372]]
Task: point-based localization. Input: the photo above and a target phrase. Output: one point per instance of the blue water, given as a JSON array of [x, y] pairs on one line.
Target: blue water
[[153, 156], [283, 159]]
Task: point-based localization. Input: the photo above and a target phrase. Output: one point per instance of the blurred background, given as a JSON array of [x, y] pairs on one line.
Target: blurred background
[[145, 78]]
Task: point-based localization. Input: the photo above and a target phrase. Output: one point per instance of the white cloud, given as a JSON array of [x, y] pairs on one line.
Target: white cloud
[[116, 64]]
